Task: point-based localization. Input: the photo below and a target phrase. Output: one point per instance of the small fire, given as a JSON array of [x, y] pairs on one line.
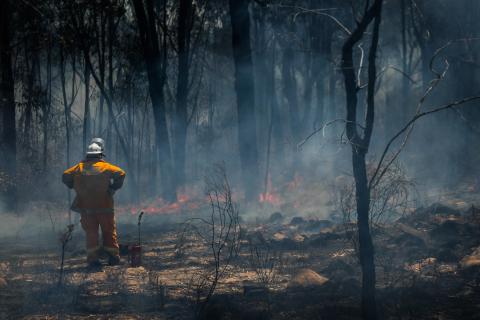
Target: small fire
[[271, 198], [159, 206], [270, 195], [295, 183]]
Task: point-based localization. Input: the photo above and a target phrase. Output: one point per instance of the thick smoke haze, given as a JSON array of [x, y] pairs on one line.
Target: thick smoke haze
[[296, 48]]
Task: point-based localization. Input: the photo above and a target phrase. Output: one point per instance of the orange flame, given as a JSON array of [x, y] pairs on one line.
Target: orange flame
[[270, 195], [295, 183], [159, 206]]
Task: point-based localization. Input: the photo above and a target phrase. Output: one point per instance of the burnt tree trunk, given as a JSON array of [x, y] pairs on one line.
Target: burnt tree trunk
[[101, 68], [156, 60], [86, 110], [263, 95], [245, 95], [360, 145], [289, 87], [7, 107], [180, 123], [67, 112], [46, 107]]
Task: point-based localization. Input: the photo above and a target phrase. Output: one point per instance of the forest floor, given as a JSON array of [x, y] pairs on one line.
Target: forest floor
[[427, 263]]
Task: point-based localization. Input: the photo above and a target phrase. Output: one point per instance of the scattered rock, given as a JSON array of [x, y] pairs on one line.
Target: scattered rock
[[322, 238], [298, 237], [338, 269], [284, 239], [306, 278], [317, 225], [279, 236], [276, 217], [256, 238], [411, 236], [422, 217], [447, 268], [472, 260], [420, 266], [451, 233], [297, 221]]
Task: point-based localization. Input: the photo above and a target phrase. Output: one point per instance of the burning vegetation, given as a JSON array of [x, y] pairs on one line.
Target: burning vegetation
[[282, 159]]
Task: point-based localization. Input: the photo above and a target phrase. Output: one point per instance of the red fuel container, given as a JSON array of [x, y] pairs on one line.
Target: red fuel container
[[135, 255]]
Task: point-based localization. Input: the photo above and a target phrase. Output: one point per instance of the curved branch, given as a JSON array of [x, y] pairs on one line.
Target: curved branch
[[450, 105], [319, 12], [439, 76]]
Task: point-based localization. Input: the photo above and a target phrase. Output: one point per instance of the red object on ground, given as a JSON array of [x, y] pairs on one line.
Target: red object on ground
[[135, 255]]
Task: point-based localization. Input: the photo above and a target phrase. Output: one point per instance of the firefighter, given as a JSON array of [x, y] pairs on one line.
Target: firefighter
[[95, 182]]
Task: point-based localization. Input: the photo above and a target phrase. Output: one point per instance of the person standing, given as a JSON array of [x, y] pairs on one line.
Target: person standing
[[95, 182]]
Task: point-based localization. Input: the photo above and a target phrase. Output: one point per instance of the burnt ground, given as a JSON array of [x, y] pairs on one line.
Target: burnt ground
[[427, 268]]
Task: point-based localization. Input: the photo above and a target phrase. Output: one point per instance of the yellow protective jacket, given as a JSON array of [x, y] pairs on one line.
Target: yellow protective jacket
[[94, 181]]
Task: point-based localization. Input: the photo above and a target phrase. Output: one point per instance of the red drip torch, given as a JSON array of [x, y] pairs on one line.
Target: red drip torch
[[135, 251]]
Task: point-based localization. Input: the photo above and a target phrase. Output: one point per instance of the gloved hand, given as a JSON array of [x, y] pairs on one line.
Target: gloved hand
[[111, 191]]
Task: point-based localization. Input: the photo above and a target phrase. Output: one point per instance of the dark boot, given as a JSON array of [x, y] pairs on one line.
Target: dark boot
[[113, 260]]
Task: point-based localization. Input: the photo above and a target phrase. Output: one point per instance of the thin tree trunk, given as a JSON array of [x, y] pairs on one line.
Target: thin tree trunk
[[101, 69], [30, 79], [180, 123], [86, 112], [7, 106], [47, 106], [403, 112], [290, 91], [245, 94], [111, 38], [156, 62], [67, 118], [276, 118], [360, 147], [262, 75]]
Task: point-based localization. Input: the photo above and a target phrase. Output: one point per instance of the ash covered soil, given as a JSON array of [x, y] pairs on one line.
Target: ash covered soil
[[427, 265]]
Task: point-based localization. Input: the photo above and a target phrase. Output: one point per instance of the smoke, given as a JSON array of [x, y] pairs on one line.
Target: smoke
[[437, 156]]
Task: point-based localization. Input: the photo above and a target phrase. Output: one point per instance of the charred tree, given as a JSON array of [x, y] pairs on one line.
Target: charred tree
[[156, 64], [101, 49], [46, 105], [263, 94], [360, 145], [86, 110], [322, 47], [245, 95], [185, 13], [7, 107]]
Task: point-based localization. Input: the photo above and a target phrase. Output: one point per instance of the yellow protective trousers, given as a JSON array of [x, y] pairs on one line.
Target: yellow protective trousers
[[106, 221]]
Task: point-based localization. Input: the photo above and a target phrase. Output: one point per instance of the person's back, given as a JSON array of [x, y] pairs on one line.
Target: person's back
[[95, 181]]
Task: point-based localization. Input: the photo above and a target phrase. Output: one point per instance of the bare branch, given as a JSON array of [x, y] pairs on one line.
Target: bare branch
[[433, 83], [319, 12], [322, 128]]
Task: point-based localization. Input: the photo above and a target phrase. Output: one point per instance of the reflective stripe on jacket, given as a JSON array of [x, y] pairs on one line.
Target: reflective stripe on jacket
[[94, 181]]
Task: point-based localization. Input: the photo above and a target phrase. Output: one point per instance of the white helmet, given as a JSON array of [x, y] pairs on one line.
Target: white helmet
[[94, 149], [100, 142]]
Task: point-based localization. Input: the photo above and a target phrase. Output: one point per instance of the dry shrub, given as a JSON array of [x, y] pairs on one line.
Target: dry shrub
[[392, 197], [219, 232]]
